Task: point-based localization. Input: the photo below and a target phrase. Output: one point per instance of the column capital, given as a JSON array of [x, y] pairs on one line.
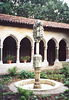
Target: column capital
[[1, 46], [32, 47], [18, 45], [45, 47], [67, 54], [57, 47], [67, 48]]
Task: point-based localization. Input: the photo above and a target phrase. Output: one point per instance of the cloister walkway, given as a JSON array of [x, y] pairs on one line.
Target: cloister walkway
[[23, 66]]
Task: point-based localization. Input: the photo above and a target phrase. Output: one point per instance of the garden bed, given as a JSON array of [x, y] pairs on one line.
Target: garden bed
[[7, 94]]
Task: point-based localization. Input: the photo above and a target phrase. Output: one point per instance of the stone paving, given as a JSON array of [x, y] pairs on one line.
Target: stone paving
[[23, 66]]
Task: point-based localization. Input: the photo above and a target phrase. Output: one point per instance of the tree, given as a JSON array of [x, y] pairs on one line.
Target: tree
[[51, 10]]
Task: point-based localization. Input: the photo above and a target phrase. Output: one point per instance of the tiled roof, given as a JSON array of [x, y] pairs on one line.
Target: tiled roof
[[16, 19]]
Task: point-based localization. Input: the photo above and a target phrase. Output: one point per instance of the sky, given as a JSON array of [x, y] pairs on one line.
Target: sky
[[67, 1]]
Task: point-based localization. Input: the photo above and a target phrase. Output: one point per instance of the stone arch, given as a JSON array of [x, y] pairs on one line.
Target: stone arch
[[44, 41], [65, 41], [31, 40], [9, 47], [51, 51], [56, 43], [25, 48], [11, 35], [62, 50]]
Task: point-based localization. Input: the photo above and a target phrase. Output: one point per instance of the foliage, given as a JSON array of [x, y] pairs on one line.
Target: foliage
[[56, 98], [65, 71], [34, 97], [49, 72], [26, 74], [43, 75], [3, 86], [65, 94], [5, 80], [67, 83], [52, 10], [45, 96], [9, 57], [24, 94], [12, 71], [52, 75], [25, 58]]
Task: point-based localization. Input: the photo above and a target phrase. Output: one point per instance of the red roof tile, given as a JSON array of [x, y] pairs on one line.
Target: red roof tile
[[16, 19]]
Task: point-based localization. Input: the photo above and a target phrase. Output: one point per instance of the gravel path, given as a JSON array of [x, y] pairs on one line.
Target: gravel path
[[60, 89]]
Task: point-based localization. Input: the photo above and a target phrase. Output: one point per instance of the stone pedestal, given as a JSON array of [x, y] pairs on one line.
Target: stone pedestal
[[37, 62], [37, 83]]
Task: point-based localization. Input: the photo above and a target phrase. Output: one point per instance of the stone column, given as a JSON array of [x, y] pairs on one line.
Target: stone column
[[37, 47], [57, 63], [45, 54], [57, 54], [18, 52], [67, 54], [32, 52], [1, 53]]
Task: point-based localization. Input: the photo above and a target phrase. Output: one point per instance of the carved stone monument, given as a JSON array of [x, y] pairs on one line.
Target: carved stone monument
[[37, 58]]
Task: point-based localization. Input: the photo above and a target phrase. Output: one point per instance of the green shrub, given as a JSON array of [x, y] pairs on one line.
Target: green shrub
[[26, 74], [22, 98], [24, 94], [7, 79], [56, 98], [43, 75], [66, 79], [46, 96], [65, 71], [65, 95], [12, 71], [66, 83], [49, 72], [9, 93], [56, 71], [34, 97], [4, 82], [2, 88]]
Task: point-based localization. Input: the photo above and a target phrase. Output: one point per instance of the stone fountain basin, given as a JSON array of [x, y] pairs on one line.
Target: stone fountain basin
[[46, 84]]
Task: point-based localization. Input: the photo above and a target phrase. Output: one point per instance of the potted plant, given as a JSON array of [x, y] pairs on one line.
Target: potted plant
[[25, 58], [9, 58]]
